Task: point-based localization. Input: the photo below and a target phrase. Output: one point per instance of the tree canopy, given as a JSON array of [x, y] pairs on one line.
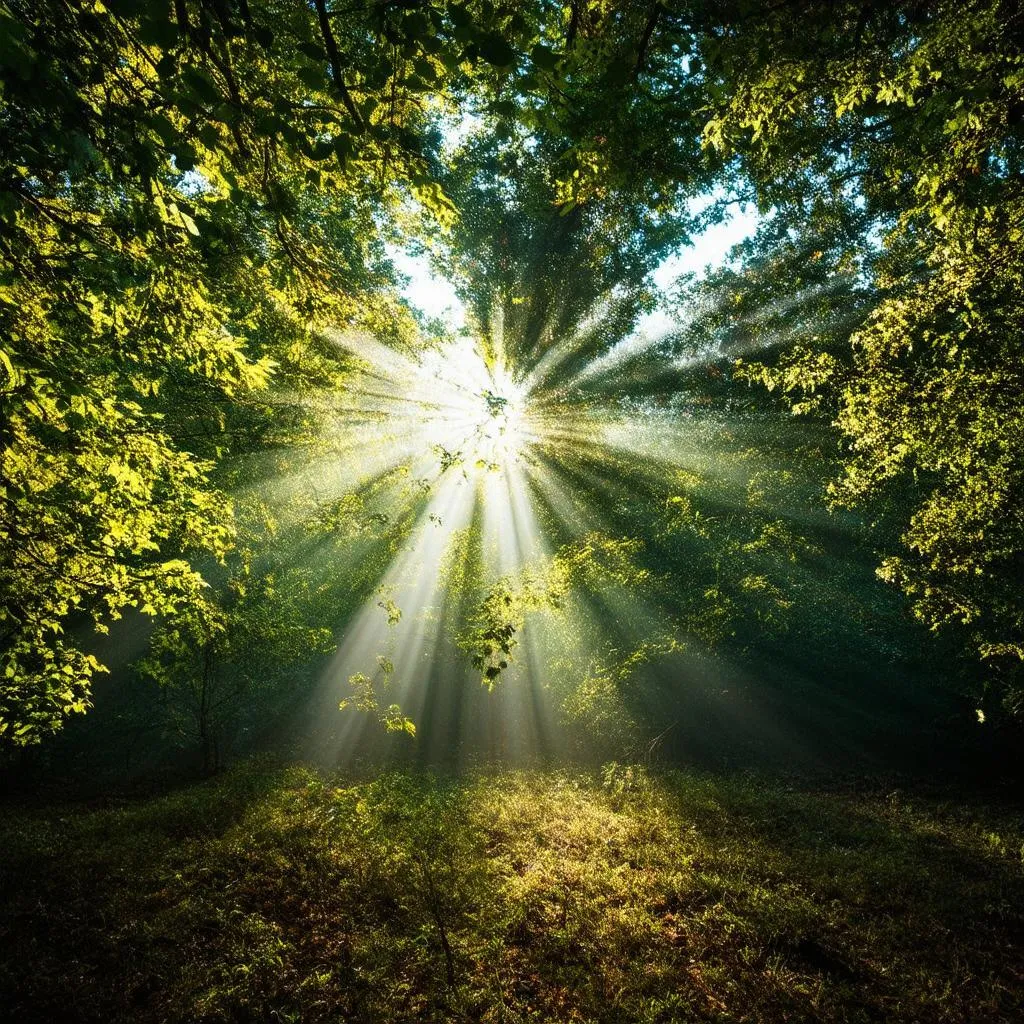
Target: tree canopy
[[199, 198]]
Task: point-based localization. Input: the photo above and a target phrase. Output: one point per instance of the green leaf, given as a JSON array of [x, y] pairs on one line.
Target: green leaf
[[199, 83], [461, 18], [544, 58], [323, 149], [263, 36], [185, 158], [312, 76], [494, 49], [156, 29]]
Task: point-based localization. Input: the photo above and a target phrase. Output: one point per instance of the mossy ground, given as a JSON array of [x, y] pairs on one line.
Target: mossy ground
[[281, 894]]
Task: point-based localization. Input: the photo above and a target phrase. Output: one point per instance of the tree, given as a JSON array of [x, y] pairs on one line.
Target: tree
[[195, 192], [190, 192], [883, 144], [915, 113], [219, 656]]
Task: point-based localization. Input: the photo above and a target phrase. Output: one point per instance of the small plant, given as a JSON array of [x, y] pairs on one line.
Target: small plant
[[367, 698], [618, 780]]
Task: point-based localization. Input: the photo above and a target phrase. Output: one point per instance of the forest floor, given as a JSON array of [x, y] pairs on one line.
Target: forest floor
[[281, 894]]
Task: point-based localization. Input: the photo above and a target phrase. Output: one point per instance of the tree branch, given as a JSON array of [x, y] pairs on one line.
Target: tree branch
[[334, 58], [645, 40]]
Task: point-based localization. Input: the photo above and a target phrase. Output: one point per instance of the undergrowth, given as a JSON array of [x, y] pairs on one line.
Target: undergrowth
[[281, 894]]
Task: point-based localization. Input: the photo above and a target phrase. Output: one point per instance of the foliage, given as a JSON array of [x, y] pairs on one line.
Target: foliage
[[214, 656], [589, 563], [197, 200], [190, 192], [882, 147], [911, 116], [367, 699]]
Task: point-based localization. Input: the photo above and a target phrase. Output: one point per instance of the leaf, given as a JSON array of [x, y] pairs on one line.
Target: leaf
[[312, 76], [494, 49], [156, 29], [185, 157], [545, 58], [323, 149], [461, 18], [425, 70], [200, 85], [263, 36]]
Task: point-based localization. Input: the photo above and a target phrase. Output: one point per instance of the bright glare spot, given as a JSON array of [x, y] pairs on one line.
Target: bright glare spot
[[449, 404], [479, 419], [427, 291]]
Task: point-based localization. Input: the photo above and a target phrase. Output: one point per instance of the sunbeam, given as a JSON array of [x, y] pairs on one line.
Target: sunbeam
[[498, 495]]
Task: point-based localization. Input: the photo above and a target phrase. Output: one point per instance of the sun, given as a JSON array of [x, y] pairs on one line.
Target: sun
[[479, 419]]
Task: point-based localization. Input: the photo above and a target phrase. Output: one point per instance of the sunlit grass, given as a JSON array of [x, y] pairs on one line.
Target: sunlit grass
[[512, 896]]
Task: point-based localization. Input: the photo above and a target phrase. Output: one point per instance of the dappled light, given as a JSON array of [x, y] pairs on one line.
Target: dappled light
[[550, 896]]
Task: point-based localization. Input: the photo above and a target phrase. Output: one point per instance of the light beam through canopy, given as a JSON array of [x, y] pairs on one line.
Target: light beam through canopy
[[599, 550]]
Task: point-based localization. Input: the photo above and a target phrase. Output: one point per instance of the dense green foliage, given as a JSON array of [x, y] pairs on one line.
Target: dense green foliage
[[909, 121], [190, 194], [548, 896], [197, 201]]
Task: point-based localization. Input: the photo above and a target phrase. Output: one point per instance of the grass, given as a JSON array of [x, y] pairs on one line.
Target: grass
[[281, 894]]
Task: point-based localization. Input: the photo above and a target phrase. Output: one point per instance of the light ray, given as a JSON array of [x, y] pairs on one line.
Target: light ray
[[475, 465]]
